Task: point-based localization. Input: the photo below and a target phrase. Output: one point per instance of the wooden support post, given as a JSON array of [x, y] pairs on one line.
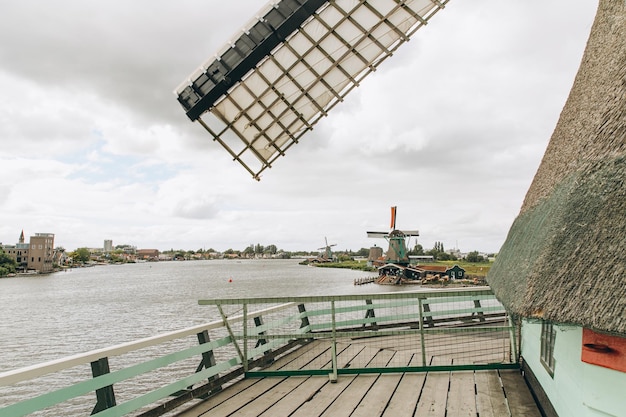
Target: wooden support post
[[370, 314], [258, 322], [420, 307], [304, 322], [208, 360], [480, 314], [105, 396], [333, 346], [429, 318], [515, 326], [245, 338]]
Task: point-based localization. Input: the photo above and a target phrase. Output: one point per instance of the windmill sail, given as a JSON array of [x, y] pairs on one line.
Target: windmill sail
[[397, 252], [288, 67]]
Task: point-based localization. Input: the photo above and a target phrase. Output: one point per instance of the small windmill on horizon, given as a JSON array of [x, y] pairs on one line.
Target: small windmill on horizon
[[397, 252], [327, 253]]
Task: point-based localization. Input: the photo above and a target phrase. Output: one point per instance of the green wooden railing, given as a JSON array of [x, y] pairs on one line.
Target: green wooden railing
[[152, 376]]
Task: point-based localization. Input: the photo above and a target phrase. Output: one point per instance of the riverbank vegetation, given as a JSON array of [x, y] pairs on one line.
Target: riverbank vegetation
[[351, 264], [471, 268], [7, 264]]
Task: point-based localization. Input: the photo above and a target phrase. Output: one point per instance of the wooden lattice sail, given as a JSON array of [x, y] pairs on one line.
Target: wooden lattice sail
[[290, 66]]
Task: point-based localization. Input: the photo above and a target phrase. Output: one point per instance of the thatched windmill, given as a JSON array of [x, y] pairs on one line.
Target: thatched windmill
[[397, 252], [327, 252], [568, 243], [562, 269]]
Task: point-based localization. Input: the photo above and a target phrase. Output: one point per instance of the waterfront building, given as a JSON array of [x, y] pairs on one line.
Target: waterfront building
[[561, 270], [41, 252], [37, 255], [108, 246], [19, 252], [148, 254]]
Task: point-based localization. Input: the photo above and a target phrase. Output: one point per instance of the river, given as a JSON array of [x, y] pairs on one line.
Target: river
[[51, 316]]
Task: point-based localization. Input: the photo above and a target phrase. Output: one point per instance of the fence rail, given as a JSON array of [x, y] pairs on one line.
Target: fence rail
[[445, 330]]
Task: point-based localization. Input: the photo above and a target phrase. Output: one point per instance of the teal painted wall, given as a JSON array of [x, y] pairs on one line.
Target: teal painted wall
[[577, 389]]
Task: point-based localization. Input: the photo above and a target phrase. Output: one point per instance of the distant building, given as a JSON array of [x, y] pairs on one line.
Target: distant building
[[128, 249], [419, 272], [19, 252], [41, 252], [417, 259], [148, 254], [108, 246], [456, 272], [36, 255]]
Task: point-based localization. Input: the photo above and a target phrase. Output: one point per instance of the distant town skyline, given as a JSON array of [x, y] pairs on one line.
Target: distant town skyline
[[113, 245]]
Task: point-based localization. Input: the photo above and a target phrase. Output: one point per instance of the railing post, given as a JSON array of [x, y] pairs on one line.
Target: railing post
[[245, 337], [258, 321], [105, 396], [429, 319], [333, 344], [370, 314], [304, 321], [421, 329], [480, 314], [513, 329], [208, 358]]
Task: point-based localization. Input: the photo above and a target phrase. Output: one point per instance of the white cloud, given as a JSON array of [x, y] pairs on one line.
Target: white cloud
[[450, 129]]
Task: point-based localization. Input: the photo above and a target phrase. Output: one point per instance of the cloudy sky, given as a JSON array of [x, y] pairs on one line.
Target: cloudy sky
[[451, 129]]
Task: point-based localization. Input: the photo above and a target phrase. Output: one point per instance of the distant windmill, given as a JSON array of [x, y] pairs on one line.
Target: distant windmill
[[327, 254], [397, 252]]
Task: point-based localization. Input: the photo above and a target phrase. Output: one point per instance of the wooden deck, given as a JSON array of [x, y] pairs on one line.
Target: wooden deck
[[494, 393]]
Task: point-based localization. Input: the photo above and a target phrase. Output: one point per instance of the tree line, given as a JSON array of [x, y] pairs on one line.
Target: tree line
[[439, 253], [7, 264], [83, 255]]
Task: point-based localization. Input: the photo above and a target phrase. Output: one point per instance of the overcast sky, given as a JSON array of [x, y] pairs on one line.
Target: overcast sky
[[451, 129]]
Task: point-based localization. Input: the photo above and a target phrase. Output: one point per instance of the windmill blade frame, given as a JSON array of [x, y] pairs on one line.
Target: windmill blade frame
[[289, 66], [410, 232]]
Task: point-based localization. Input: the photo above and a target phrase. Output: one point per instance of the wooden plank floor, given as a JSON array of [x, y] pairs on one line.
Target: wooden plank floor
[[440, 394]]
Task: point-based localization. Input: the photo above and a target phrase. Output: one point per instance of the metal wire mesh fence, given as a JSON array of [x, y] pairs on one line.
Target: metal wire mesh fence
[[397, 332]]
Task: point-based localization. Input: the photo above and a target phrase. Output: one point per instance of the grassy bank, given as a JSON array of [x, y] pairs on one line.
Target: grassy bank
[[472, 268], [356, 265]]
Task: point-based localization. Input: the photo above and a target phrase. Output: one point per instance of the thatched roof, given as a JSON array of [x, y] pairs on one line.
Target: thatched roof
[[564, 259]]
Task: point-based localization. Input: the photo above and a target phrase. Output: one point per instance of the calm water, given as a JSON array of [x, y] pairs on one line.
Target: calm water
[[48, 317]]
